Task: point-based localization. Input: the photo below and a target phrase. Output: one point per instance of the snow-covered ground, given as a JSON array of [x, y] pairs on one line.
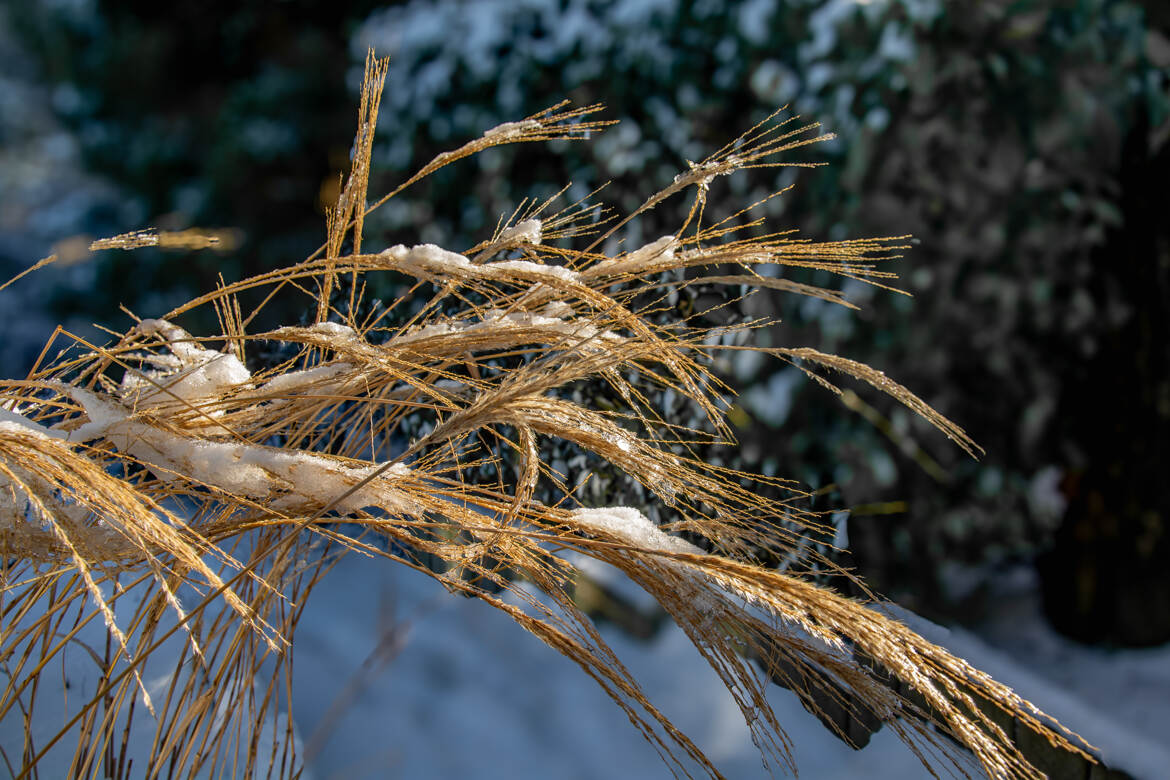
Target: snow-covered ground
[[470, 694], [396, 678], [465, 693], [1127, 692]]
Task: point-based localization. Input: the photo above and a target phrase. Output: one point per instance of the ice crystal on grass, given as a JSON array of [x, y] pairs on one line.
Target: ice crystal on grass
[[171, 467]]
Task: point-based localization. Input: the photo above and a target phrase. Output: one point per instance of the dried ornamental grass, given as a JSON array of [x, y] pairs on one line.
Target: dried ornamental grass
[[186, 497]]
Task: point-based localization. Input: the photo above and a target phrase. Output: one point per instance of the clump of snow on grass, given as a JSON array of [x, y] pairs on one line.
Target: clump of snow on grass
[[331, 335], [637, 260], [12, 424], [434, 330], [529, 267], [558, 309], [103, 414], [283, 479], [497, 320], [526, 232], [197, 372], [662, 247], [294, 381], [511, 130], [427, 260], [333, 329], [632, 527]]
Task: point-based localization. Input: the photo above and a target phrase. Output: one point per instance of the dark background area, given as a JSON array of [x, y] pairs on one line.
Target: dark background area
[[1026, 145]]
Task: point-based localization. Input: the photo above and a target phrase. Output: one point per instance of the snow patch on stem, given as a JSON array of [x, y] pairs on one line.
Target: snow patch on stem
[[429, 261], [526, 232], [511, 130], [632, 527], [12, 424], [529, 267], [282, 479], [195, 372], [640, 259], [295, 381]]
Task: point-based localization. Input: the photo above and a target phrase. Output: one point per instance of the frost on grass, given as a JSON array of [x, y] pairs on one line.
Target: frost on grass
[[219, 488]]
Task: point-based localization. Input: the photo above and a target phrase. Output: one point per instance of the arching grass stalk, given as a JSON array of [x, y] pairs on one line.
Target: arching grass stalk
[[182, 494]]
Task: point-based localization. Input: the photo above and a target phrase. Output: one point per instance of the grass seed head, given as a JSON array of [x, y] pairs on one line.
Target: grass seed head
[[191, 497]]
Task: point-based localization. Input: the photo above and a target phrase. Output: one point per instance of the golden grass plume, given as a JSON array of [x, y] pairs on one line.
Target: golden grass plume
[[181, 497]]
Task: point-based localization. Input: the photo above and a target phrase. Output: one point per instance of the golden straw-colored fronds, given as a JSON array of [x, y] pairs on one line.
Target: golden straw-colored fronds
[[189, 497]]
